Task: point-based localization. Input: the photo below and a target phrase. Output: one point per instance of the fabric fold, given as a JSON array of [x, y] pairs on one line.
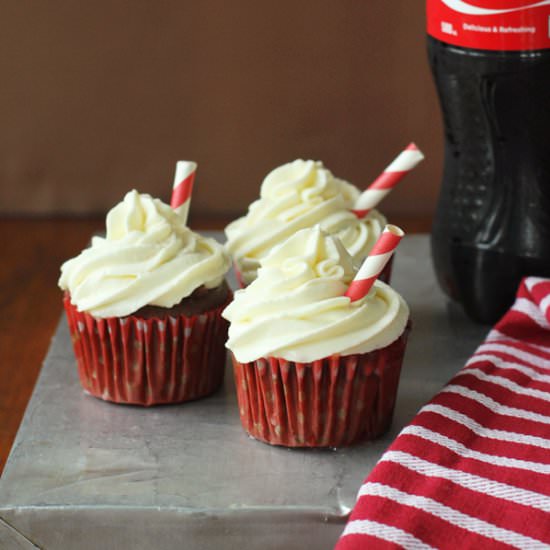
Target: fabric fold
[[472, 470]]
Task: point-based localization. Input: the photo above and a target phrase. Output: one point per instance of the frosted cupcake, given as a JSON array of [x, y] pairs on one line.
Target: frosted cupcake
[[313, 368], [295, 196], [144, 307]]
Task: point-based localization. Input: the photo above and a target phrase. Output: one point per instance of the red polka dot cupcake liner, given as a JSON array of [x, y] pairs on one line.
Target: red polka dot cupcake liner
[[333, 402], [148, 361]]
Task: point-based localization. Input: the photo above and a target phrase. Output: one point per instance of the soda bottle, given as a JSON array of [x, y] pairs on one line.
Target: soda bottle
[[490, 60]]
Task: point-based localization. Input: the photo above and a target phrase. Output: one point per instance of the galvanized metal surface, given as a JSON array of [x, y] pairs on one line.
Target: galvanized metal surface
[[88, 474]]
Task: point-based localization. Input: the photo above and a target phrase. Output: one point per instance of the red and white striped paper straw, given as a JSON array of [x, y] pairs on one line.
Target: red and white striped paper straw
[[375, 262], [387, 180], [183, 187]]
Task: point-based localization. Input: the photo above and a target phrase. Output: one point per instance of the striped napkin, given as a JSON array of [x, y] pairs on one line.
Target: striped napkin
[[473, 468]]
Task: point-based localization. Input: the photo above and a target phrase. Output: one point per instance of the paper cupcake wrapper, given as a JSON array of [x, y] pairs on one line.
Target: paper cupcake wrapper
[[152, 361], [385, 275], [332, 402]]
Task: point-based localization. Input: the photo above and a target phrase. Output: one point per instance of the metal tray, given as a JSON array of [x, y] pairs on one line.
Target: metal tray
[[91, 475]]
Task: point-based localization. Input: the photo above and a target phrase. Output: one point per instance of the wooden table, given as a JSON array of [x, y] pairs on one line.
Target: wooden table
[[34, 249]]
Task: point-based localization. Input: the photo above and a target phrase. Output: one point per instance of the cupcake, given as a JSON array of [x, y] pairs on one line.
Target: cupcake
[[294, 196], [144, 307], [313, 368]]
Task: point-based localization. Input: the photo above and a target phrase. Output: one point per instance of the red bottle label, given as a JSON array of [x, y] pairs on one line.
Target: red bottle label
[[491, 24]]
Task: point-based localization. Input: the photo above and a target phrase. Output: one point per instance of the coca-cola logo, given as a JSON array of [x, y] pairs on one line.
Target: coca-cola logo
[[487, 7]]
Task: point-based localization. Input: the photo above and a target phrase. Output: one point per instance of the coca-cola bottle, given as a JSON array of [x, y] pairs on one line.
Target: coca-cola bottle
[[491, 65]]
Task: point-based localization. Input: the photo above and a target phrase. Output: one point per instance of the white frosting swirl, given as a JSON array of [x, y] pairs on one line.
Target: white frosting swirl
[[148, 257], [294, 196], [296, 308]]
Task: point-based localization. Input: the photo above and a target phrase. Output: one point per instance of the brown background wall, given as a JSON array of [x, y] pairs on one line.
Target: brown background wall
[[98, 97]]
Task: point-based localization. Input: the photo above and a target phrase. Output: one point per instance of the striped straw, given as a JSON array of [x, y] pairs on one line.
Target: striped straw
[[183, 187], [387, 180], [375, 262]]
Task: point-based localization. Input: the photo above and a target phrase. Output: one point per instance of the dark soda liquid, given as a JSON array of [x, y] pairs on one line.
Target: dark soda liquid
[[492, 223]]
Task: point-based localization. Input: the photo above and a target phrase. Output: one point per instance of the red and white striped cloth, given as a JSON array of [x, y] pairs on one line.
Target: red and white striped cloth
[[473, 468]]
